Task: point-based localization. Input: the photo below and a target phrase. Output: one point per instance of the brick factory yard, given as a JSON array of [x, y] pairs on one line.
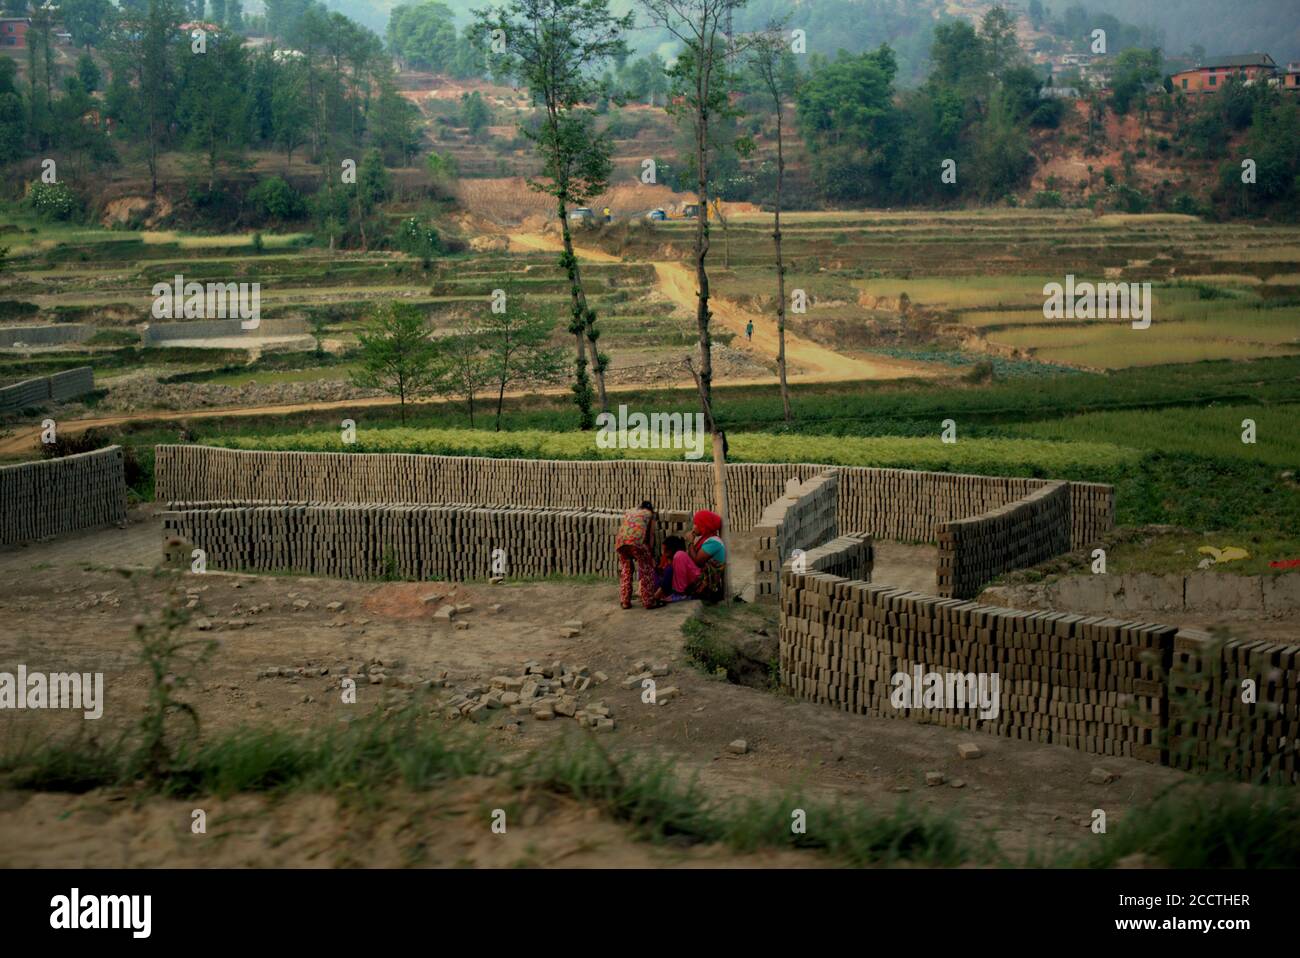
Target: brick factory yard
[[65, 607]]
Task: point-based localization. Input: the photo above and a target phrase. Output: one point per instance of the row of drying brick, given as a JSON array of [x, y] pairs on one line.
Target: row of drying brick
[[888, 503], [1092, 684], [974, 551], [803, 518], [52, 496], [58, 387], [421, 541], [1235, 706]]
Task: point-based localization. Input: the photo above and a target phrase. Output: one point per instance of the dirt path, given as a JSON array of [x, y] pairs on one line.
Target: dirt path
[[809, 361]]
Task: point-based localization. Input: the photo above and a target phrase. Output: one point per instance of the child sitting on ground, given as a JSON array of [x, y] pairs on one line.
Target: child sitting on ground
[[677, 573]]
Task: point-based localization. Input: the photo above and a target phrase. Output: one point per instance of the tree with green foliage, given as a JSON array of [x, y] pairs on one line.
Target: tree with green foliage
[[89, 73], [89, 21], [517, 343], [13, 117], [424, 35], [397, 355], [1135, 70], [556, 48], [289, 116], [475, 115], [143, 53], [462, 366], [848, 119], [394, 122], [214, 103]]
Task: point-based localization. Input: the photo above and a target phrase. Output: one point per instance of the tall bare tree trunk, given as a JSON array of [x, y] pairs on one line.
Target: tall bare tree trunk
[[780, 269]]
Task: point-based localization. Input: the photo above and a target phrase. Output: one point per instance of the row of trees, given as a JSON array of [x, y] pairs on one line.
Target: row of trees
[[506, 348]]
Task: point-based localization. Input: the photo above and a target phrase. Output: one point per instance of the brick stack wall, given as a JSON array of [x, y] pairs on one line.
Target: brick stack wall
[[888, 503], [805, 517], [151, 334], [59, 387], [1088, 683], [453, 541], [45, 335], [1212, 726], [46, 498], [974, 551]]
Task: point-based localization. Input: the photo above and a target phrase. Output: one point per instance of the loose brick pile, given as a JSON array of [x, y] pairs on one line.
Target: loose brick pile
[[888, 503], [39, 499], [413, 541], [59, 387], [802, 519], [974, 551], [1210, 726]]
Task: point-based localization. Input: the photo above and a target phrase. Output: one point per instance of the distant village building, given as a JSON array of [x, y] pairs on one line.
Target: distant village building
[[1059, 93], [1291, 79], [1210, 77], [13, 31]]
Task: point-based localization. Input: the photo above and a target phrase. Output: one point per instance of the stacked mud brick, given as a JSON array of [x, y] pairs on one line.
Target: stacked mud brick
[[45, 335], [451, 541], [39, 499], [1211, 726], [59, 387], [888, 503], [974, 551], [803, 518], [1088, 683], [850, 556]]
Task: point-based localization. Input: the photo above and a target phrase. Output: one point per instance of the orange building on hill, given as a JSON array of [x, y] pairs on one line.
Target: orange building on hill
[[13, 32], [1209, 77]]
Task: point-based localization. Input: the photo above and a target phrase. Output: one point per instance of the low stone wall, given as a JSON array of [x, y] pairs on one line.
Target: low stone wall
[[887, 503], [151, 334], [1145, 691], [1130, 592], [801, 519], [59, 387], [46, 498], [415, 541], [974, 551], [44, 335]]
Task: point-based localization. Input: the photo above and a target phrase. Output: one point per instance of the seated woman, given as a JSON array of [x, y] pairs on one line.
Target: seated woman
[[709, 554], [677, 573]]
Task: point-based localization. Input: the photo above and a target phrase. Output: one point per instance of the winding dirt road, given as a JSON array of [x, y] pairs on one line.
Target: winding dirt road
[[807, 361]]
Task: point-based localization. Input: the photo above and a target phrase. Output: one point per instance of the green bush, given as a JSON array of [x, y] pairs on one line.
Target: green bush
[[53, 201], [274, 199]]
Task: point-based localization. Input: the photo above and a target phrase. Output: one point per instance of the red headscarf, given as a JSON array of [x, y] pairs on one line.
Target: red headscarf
[[707, 523]]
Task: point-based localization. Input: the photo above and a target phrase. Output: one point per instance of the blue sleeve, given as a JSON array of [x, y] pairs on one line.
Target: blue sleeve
[[715, 550]]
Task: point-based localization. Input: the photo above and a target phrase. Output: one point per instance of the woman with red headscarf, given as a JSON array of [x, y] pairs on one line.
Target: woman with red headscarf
[[709, 554]]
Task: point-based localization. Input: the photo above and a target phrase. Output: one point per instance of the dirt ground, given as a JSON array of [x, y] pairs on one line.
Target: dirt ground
[[66, 608]]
